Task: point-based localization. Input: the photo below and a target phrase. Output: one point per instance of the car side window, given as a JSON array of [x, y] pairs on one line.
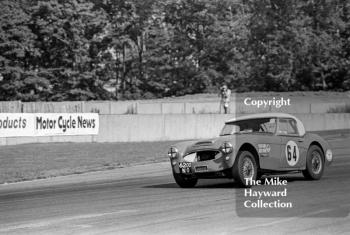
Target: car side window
[[287, 126], [258, 125], [269, 126]]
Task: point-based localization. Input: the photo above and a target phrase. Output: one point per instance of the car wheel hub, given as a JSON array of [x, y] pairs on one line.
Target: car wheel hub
[[316, 163], [247, 168]]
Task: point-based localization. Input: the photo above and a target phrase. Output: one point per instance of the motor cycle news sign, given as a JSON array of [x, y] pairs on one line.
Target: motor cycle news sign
[[48, 124]]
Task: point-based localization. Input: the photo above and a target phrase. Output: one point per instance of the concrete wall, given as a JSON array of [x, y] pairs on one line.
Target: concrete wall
[[53, 107], [10, 107], [130, 128], [148, 107]]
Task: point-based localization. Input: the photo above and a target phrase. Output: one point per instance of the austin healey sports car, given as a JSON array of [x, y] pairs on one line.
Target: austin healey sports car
[[248, 148]]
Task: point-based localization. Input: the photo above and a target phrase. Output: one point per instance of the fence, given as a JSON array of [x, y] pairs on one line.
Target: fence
[[144, 107]]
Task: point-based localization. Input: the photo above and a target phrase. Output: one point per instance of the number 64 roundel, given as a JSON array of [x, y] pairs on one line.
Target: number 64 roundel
[[292, 153]]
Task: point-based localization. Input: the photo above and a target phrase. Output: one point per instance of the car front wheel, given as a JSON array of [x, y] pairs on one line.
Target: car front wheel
[[244, 168], [314, 163], [185, 181]]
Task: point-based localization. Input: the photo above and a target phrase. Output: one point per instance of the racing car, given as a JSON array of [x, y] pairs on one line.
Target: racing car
[[248, 148]]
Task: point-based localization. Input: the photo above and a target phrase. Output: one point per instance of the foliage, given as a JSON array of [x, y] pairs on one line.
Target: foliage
[[129, 49], [19, 78]]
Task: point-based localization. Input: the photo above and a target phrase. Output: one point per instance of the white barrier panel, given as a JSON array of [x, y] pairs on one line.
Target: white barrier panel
[[16, 124], [48, 124]]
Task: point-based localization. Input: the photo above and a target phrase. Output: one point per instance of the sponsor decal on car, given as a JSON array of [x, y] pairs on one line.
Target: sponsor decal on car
[[264, 149]]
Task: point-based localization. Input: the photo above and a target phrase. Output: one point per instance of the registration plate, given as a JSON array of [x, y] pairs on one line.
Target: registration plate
[[201, 168], [184, 165]]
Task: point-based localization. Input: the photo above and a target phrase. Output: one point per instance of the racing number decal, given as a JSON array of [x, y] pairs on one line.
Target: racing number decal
[[292, 153]]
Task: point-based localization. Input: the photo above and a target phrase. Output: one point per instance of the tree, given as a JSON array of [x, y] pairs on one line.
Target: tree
[[64, 30], [19, 77], [129, 49]]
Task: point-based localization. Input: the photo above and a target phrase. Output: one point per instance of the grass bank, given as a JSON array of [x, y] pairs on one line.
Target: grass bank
[[36, 161]]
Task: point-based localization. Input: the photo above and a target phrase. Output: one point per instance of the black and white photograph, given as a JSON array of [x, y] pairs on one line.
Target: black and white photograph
[[174, 117]]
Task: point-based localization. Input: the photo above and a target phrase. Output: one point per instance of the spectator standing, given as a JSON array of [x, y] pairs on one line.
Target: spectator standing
[[225, 95]]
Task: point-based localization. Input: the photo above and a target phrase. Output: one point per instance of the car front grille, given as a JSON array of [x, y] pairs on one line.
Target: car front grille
[[206, 155]]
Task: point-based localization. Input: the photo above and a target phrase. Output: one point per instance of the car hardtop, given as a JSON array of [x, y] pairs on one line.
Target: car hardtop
[[261, 115], [300, 126]]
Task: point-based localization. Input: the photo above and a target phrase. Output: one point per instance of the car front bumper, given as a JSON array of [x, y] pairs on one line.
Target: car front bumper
[[219, 167]]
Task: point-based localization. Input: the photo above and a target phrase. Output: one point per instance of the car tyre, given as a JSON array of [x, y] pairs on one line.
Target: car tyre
[[314, 163], [185, 181], [244, 167]]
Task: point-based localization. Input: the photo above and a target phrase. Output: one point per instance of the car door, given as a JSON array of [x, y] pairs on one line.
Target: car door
[[268, 144], [293, 148], [269, 148]]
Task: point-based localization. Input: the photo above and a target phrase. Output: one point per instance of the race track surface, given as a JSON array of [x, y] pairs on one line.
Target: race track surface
[[145, 200]]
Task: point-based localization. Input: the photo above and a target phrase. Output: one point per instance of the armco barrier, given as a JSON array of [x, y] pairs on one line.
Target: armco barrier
[[131, 128]]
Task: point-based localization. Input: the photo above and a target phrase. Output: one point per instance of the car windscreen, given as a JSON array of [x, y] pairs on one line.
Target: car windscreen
[[259, 125], [287, 126]]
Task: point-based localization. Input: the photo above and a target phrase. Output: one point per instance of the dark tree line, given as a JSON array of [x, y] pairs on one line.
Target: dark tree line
[[130, 49]]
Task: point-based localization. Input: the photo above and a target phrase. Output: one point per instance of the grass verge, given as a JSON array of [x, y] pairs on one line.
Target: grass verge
[[36, 161]]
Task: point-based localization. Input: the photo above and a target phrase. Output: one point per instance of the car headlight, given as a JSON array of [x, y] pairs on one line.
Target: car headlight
[[172, 153], [226, 147], [329, 155]]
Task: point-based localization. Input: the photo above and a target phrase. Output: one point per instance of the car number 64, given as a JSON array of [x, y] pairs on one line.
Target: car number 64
[[292, 153]]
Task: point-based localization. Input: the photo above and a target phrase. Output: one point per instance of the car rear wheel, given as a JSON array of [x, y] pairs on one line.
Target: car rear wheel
[[185, 181], [314, 163], [244, 168]]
